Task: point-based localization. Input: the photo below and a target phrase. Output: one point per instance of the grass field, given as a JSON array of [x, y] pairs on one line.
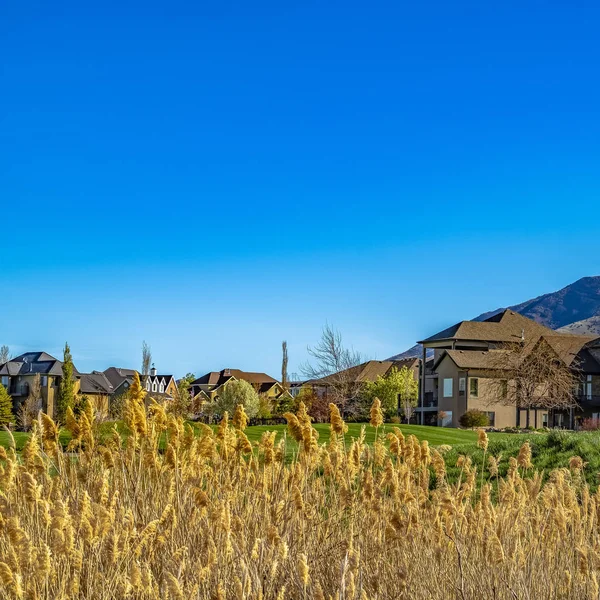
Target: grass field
[[436, 436], [549, 450]]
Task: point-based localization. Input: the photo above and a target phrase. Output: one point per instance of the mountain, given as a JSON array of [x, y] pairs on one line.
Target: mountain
[[573, 309]]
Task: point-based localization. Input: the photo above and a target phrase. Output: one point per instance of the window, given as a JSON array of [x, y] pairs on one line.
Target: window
[[462, 385], [492, 418], [588, 387], [161, 388], [559, 420], [44, 380], [448, 392], [474, 387], [148, 385], [544, 419], [5, 381], [503, 388], [154, 386], [445, 418]]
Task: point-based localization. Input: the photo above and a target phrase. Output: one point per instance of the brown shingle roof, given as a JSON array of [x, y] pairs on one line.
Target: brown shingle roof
[[473, 359], [567, 348], [369, 371], [507, 326], [220, 377]]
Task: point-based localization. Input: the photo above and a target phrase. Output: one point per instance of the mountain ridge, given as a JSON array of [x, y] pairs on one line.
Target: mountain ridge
[[574, 308]]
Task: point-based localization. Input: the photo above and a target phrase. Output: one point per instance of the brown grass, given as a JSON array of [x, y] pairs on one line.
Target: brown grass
[[215, 517]]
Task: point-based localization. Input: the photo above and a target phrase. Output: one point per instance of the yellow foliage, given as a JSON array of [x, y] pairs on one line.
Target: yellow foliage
[[212, 516]]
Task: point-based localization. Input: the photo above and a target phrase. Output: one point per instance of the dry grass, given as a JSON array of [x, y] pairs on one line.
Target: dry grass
[[215, 517]]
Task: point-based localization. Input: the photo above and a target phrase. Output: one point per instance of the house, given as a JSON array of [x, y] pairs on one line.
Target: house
[[207, 387], [466, 358], [365, 372], [159, 387], [345, 388], [20, 374]]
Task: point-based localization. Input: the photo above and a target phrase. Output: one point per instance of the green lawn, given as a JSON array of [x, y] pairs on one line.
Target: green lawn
[[549, 450]]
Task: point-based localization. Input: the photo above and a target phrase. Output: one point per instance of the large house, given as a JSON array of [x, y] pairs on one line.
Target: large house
[[465, 361], [19, 376], [208, 387]]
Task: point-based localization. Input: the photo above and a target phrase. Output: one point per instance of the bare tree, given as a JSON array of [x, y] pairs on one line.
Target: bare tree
[[4, 354], [333, 371], [146, 359], [533, 376], [29, 409], [284, 365]]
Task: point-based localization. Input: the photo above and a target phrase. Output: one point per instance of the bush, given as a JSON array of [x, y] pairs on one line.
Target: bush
[[474, 418], [590, 424], [396, 420]]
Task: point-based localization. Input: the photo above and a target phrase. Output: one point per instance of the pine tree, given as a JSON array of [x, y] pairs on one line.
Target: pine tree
[[6, 414], [66, 393]]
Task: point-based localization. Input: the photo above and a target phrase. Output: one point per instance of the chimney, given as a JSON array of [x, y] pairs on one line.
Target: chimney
[[227, 372], [153, 371]]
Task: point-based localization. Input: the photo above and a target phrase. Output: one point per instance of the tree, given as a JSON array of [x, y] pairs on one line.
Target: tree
[[316, 404], [29, 409], [474, 418], [66, 392], [284, 365], [182, 400], [532, 376], [6, 414], [333, 365], [398, 390], [4, 354], [234, 393], [146, 359]]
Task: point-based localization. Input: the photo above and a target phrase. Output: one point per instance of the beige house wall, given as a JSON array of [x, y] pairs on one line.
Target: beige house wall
[[487, 399]]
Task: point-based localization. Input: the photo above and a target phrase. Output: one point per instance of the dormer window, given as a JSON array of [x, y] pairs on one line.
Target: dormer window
[[162, 388], [148, 385], [154, 386]]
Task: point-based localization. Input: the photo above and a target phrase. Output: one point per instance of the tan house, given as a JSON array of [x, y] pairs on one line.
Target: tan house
[[465, 361], [19, 376], [365, 372], [207, 387]]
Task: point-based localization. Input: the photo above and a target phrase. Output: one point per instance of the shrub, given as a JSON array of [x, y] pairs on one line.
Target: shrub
[[474, 418], [590, 424]]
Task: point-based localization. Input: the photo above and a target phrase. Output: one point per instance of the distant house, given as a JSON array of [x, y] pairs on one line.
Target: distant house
[[208, 386], [458, 377], [351, 381], [366, 372], [159, 387], [19, 374]]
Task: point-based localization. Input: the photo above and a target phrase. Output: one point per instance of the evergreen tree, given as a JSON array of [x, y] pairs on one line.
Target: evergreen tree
[[66, 392], [6, 414]]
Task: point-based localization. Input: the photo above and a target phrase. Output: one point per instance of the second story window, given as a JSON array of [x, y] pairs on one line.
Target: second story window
[[162, 388], [148, 385], [154, 386], [5, 381], [448, 387], [44, 380]]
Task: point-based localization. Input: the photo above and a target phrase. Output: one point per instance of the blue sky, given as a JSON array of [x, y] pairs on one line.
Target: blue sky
[[216, 177]]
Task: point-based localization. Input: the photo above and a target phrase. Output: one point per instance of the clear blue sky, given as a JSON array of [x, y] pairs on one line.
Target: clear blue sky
[[216, 177]]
